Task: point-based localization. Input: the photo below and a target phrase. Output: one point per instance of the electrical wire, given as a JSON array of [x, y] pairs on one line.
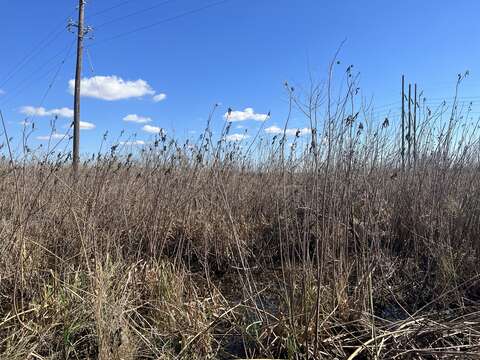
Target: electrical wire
[[37, 49], [32, 79], [111, 8], [163, 21], [51, 84], [141, 11], [54, 79]]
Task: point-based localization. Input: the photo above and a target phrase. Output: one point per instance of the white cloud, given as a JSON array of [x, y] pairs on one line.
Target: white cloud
[[41, 111], [159, 97], [137, 119], [236, 137], [134, 143], [275, 130], [85, 125], [152, 129], [25, 123], [54, 136], [247, 114], [112, 88]]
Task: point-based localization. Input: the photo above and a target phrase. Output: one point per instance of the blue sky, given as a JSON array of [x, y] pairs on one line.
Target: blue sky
[[237, 53]]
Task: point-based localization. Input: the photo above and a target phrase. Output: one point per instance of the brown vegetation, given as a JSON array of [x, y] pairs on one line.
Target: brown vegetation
[[219, 250]]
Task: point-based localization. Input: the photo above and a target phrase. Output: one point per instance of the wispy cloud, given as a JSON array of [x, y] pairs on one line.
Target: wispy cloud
[[152, 129], [137, 119], [85, 125], [41, 111], [2, 92], [159, 97], [236, 137], [54, 136], [133, 143], [275, 130], [247, 114], [112, 88]]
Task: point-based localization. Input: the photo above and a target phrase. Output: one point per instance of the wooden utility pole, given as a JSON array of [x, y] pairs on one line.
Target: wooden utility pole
[[409, 132], [415, 128], [78, 78], [403, 123]]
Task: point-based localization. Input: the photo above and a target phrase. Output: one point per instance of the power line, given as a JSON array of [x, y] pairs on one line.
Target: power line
[[429, 101], [37, 49], [26, 60], [387, 105], [28, 80], [111, 8], [133, 14], [451, 98], [163, 21], [52, 82], [50, 86], [89, 58]]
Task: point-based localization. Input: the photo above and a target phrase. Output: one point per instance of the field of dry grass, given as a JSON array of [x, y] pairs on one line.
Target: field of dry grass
[[318, 247]]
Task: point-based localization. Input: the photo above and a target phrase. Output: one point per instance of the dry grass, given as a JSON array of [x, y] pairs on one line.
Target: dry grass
[[220, 250]]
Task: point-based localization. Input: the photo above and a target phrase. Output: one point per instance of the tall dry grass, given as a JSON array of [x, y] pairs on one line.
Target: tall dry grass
[[314, 247]]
